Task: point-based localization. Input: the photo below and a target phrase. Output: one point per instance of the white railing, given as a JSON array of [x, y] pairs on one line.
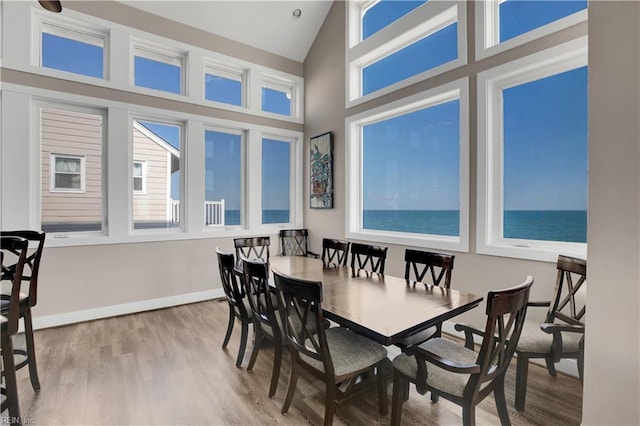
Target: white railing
[[213, 212]]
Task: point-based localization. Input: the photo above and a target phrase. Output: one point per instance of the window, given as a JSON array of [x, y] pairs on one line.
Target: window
[[533, 153], [413, 41], [139, 177], [158, 70], [71, 142], [276, 180], [71, 50], [276, 97], [223, 177], [224, 85], [407, 170], [159, 144]]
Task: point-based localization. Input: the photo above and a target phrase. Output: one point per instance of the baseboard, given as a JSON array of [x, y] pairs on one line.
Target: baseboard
[[566, 366], [123, 309]]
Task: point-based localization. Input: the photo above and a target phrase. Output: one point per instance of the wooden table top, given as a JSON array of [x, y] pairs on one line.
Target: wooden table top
[[381, 307]]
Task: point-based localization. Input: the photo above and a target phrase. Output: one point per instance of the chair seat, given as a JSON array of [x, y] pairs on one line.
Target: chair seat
[[446, 381], [4, 302], [534, 340], [247, 308], [419, 337], [4, 322], [350, 352]]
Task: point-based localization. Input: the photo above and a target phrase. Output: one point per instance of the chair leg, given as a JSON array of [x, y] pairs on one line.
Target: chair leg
[[405, 390], [329, 403], [522, 371], [382, 391], [257, 333], [31, 351], [551, 367], [469, 414], [501, 402], [10, 381], [275, 374], [293, 381], [581, 361], [243, 342], [400, 386], [232, 320], [434, 397]]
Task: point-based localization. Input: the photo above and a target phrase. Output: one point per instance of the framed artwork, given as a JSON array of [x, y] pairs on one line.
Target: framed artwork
[[321, 151]]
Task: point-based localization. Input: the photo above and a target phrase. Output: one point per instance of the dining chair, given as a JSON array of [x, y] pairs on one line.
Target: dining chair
[[560, 335], [238, 304], [458, 373], [252, 248], [337, 356], [27, 300], [11, 247], [368, 257], [428, 268], [335, 252], [293, 242]]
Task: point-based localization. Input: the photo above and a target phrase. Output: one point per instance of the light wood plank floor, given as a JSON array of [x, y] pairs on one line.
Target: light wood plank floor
[[167, 367]]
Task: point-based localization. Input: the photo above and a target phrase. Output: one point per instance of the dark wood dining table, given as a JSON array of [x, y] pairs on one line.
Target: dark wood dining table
[[383, 308]]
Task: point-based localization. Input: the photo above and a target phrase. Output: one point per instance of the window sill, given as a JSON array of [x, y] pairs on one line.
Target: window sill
[[544, 251], [438, 242]]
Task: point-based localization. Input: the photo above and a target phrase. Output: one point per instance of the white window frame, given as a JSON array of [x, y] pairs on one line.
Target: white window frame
[[456, 90], [231, 73], [416, 25], [488, 29], [288, 87], [151, 51], [53, 172], [491, 83], [143, 177]]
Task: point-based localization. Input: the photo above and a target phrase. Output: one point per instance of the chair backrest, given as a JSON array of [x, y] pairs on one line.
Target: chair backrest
[[300, 307], [230, 281], [367, 257], [335, 252], [506, 310], [32, 264], [252, 248], [12, 248], [439, 266], [293, 242], [255, 275], [565, 305]]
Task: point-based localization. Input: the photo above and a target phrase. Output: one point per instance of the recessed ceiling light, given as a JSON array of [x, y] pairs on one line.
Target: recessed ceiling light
[[297, 13]]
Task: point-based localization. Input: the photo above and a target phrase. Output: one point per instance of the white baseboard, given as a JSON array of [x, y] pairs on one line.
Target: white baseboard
[[126, 308], [567, 366]]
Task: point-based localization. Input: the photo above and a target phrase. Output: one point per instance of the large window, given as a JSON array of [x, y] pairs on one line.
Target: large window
[[71, 143], [158, 70], [407, 170], [72, 50], [276, 180], [533, 152], [223, 177]]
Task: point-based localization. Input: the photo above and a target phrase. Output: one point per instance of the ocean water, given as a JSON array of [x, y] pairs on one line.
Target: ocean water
[[545, 225], [232, 217]]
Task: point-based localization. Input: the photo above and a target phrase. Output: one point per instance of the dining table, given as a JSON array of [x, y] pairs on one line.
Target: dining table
[[383, 308]]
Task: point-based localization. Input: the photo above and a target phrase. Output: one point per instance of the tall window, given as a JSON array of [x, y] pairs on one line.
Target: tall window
[[223, 177], [158, 206], [158, 70], [71, 50], [276, 181], [71, 153], [226, 85]]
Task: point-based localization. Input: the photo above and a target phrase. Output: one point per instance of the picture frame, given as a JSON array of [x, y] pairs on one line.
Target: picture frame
[[321, 169]]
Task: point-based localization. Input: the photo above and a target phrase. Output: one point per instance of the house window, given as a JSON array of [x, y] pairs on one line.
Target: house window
[[276, 180], [226, 85], [277, 96], [533, 155], [223, 177], [71, 143], [159, 144], [139, 177], [158, 70], [72, 50], [407, 170]]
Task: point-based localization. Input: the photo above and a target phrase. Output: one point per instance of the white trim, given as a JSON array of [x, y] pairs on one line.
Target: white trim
[[124, 309], [491, 83]]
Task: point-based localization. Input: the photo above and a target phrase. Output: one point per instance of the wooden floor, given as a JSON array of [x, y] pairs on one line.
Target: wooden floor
[[167, 367]]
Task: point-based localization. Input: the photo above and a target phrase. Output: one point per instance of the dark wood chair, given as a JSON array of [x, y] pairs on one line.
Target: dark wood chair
[[16, 248], [293, 242], [346, 362], [27, 300], [365, 257], [561, 333], [457, 372], [335, 252], [252, 248], [428, 268], [238, 304]]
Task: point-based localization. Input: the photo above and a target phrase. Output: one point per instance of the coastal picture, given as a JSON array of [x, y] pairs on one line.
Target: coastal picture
[[321, 151]]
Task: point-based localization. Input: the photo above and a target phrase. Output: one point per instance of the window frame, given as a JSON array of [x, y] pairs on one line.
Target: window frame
[[52, 173], [229, 72], [154, 52], [285, 86], [555, 60], [455, 90]]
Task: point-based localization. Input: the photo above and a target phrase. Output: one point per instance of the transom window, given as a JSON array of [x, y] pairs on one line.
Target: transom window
[[158, 70], [72, 50], [277, 96], [224, 84], [377, 14]]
